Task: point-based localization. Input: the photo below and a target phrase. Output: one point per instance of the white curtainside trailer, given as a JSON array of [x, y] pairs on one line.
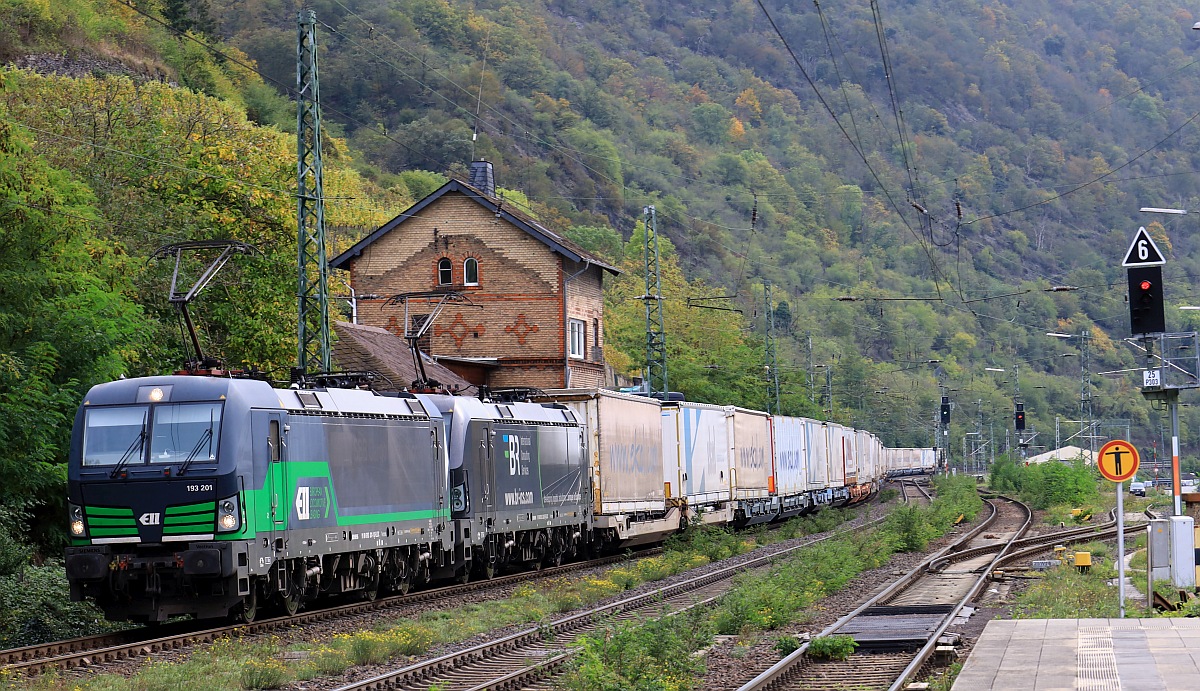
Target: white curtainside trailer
[[750, 457], [790, 440], [696, 460], [625, 453], [817, 434], [837, 460]]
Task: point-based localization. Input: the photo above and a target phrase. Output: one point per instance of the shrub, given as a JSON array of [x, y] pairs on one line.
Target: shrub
[[832, 647], [656, 655], [911, 527], [36, 607], [263, 674], [786, 645]]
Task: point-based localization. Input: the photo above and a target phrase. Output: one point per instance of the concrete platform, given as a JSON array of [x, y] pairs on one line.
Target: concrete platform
[[1085, 655]]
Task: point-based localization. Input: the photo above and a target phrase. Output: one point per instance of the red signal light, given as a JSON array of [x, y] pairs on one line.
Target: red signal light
[[1145, 285]]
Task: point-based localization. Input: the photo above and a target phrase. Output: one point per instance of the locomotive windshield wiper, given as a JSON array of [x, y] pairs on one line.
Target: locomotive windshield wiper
[[206, 437], [135, 446]]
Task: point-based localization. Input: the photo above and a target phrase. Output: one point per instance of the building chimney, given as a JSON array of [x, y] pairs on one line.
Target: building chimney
[[482, 178]]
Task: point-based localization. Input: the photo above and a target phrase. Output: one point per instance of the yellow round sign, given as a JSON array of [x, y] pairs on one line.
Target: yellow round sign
[[1118, 460]]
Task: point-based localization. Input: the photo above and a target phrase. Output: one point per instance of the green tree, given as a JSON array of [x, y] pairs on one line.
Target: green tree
[[61, 328]]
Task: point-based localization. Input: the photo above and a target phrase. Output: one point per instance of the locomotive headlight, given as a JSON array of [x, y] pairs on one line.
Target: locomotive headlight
[[75, 513], [228, 517]]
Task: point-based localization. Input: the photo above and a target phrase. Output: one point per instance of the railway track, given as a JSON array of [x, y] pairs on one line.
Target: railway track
[[98, 650], [105, 648], [528, 658], [911, 491], [898, 630]]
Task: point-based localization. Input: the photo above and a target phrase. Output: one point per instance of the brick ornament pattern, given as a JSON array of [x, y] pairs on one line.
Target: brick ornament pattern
[[521, 328], [458, 330]]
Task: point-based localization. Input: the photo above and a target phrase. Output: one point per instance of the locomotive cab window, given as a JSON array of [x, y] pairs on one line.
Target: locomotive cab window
[[111, 433], [185, 433]]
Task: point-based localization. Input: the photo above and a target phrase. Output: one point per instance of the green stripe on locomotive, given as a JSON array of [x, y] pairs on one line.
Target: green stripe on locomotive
[[284, 480]]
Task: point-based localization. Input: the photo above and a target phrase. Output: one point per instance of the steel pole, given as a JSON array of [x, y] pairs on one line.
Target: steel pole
[[1175, 453], [1121, 547]]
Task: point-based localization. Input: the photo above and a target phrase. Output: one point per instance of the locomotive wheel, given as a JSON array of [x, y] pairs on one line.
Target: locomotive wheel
[[295, 592], [554, 553], [402, 580], [249, 605], [371, 590]]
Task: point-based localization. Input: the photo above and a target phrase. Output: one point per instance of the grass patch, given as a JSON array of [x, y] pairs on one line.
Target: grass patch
[[1064, 593], [229, 664], [832, 647], [655, 655]]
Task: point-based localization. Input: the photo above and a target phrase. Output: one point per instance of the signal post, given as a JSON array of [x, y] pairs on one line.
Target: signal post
[[1176, 364], [1118, 461]]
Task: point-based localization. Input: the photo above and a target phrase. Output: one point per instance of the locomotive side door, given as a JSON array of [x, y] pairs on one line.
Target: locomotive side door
[[269, 510], [488, 476], [276, 475]]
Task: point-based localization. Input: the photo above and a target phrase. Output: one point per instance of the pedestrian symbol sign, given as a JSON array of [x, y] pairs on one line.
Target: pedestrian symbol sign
[[1143, 251], [1118, 460]]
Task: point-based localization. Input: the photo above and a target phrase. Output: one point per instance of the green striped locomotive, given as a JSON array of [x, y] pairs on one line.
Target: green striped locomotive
[[212, 496]]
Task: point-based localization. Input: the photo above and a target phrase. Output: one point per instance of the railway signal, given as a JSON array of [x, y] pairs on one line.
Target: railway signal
[[1146, 313], [1144, 261], [1019, 417]]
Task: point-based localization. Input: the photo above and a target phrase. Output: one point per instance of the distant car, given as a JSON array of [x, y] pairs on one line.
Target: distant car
[[1137, 489]]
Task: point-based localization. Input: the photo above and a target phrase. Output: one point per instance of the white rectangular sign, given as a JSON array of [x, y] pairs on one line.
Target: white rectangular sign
[[1152, 378]]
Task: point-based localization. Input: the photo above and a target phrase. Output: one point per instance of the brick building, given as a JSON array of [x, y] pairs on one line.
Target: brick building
[[535, 316]]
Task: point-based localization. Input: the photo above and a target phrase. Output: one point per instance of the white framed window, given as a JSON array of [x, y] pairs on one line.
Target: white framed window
[[576, 338], [471, 271], [445, 273]]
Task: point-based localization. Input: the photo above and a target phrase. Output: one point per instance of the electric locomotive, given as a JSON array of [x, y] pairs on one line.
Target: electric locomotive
[[210, 496], [206, 496]]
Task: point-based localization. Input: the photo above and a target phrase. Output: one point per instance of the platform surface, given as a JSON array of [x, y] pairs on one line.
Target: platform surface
[[1085, 655]]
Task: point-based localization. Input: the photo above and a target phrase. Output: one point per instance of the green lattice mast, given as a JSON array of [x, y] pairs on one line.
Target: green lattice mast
[[656, 335], [312, 266]]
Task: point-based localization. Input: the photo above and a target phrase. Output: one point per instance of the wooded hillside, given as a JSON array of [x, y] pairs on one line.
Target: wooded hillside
[[910, 178]]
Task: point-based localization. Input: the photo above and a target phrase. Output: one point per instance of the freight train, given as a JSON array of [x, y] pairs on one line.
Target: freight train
[[215, 496]]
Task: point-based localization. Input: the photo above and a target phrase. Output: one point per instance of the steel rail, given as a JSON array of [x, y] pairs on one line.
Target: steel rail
[[422, 671], [791, 663], [86, 651]]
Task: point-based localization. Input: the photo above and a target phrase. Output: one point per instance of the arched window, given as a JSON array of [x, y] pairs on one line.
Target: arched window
[[471, 271], [445, 273]]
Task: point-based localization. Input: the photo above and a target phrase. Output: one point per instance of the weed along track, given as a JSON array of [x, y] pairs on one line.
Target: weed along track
[[898, 631], [522, 659], [99, 651]]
